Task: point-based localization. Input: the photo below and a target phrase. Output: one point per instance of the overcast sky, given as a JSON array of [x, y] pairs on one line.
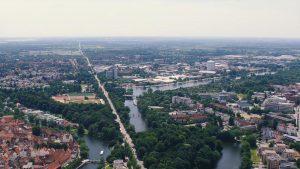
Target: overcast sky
[[180, 18]]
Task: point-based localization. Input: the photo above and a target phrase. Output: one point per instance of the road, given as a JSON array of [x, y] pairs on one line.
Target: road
[[126, 136]]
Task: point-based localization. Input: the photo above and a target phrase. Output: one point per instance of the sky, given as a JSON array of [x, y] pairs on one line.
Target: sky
[[154, 18]]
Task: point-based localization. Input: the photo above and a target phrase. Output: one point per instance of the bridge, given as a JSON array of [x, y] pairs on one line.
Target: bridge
[[87, 161], [128, 95]]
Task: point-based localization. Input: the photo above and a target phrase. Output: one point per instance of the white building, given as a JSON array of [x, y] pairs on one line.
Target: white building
[[210, 65]]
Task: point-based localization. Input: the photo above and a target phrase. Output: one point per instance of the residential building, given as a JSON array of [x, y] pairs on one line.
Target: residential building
[[287, 165], [289, 154], [273, 161]]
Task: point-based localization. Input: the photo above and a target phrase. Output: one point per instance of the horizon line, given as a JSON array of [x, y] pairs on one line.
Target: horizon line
[[152, 37]]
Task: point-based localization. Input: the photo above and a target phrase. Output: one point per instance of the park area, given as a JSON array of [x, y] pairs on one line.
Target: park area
[[254, 157], [80, 98]]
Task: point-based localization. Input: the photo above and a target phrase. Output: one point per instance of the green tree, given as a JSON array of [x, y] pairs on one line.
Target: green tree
[[80, 130], [231, 121], [298, 163], [246, 163], [251, 139], [101, 164], [36, 131]]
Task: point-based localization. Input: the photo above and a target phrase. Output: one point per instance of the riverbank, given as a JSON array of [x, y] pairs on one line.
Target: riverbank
[[136, 118], [230, 158]]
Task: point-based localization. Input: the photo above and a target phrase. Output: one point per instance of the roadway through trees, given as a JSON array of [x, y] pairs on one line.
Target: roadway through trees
[[126, 136]]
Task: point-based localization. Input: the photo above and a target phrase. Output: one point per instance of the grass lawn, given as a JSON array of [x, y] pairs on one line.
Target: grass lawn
[[80, 94], [254, 157], [241, 96], [73, 131], [108, 166]]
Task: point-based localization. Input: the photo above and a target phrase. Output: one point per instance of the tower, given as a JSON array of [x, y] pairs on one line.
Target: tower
[[297, 116], [211, 65]]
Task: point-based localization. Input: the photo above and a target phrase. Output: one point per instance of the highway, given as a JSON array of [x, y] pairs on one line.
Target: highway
[[126, 136]]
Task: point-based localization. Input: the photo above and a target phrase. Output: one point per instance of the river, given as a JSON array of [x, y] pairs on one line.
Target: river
[[139, 90], [231, 158], [231, 152], [95, 147], [135, 116]]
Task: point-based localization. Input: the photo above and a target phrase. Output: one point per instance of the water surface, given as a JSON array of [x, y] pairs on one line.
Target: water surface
[[231, 158], [95, 147]]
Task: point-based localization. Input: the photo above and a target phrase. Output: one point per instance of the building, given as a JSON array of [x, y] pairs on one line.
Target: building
[[198, 117], [210, 65], [262, 147], [280, 148], [287, 165], [277, 104], [243, 104], [291, 138], [244, 124], [182, 100], [112, 73], [289, 154], [278, 117], [119, 164], [20, 147], [258, 96], [273, 161], [268, 133], [179, 116], [289, 129], [220, 96], [266, 153], [297, 117]]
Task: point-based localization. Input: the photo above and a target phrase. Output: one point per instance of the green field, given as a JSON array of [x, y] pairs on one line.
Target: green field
[[254, 157], [80, 94], [242, 96]]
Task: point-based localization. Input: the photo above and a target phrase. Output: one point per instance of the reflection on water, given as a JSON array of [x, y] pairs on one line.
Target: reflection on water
[[135, 116], [231, 158], [139, 90], [95, 147], [231, 152]]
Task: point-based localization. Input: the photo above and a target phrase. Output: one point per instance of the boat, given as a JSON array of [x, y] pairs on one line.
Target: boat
[[101, 152], [134, 102]]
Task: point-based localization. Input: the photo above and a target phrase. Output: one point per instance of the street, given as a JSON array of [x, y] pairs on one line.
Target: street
[[126, 136]]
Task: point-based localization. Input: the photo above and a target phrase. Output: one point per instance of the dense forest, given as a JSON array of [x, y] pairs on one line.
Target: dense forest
[[169, 145], [175, 146]]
